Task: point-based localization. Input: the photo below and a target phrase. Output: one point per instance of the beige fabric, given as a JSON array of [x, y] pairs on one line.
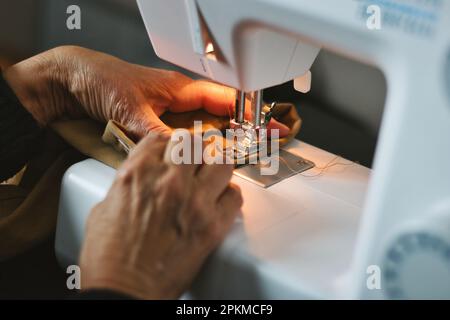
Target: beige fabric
[[86, 136], [28, 209], [116, 136], [112, 144]]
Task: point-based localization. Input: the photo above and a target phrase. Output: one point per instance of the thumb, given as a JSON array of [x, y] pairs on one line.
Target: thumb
[[283, 130], [277, 125]]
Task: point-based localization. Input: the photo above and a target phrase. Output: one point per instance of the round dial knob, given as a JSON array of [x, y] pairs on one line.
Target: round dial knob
[[416, 264]]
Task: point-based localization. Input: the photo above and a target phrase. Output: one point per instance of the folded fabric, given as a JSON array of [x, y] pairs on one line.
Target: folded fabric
[[85, 135], [116, 135], [28, 210]]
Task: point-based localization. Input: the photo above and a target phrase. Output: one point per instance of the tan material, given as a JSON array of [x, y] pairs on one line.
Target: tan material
[[112, 146], [28, 210], [86, 136]]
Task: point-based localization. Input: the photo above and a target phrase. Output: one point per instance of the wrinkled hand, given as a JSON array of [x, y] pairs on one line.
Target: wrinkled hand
[[158, 223], [73, 81]]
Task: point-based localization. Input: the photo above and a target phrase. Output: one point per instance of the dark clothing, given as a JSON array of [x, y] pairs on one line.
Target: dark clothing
[[20, 135], [101, 295], [20, 140]]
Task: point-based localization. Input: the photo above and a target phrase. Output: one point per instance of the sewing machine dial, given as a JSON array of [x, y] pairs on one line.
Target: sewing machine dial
[[417, 265]]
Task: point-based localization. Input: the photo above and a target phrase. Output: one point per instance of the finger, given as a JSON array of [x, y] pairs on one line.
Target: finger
[[229, 202], [138, 131], [142, 128], [146, 154], [273, 124], [147, 121], [184, 152], [283, 130], [228, 208], [214, 178], [151, 147]]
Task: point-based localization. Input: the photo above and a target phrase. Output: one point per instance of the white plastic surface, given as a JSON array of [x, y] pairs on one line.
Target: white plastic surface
[[294, 239]]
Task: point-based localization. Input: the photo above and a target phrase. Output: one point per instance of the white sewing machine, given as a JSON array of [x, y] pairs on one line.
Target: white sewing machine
[[349, 232]]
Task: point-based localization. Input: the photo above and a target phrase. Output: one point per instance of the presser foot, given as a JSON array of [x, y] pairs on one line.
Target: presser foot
[[266, 173]]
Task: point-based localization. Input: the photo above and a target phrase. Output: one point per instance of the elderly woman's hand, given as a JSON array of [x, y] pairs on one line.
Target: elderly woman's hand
[[74, 81], [158, 223]]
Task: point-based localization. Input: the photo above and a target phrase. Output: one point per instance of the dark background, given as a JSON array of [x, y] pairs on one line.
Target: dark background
[[341, 114]]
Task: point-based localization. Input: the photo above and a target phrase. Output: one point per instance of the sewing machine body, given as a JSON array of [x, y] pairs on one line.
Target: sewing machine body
[[322, 237], [283, 246]]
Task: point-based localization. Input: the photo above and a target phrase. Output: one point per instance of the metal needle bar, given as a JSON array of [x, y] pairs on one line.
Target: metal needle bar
[[257, 103], [240, 107]]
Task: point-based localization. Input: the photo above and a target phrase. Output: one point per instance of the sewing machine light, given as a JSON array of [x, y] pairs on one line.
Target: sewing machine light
[[209, 51], [209, 48]]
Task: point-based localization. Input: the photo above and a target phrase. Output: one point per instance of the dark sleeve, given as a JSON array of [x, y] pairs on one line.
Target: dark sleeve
[[101, 295], [20, 134]]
